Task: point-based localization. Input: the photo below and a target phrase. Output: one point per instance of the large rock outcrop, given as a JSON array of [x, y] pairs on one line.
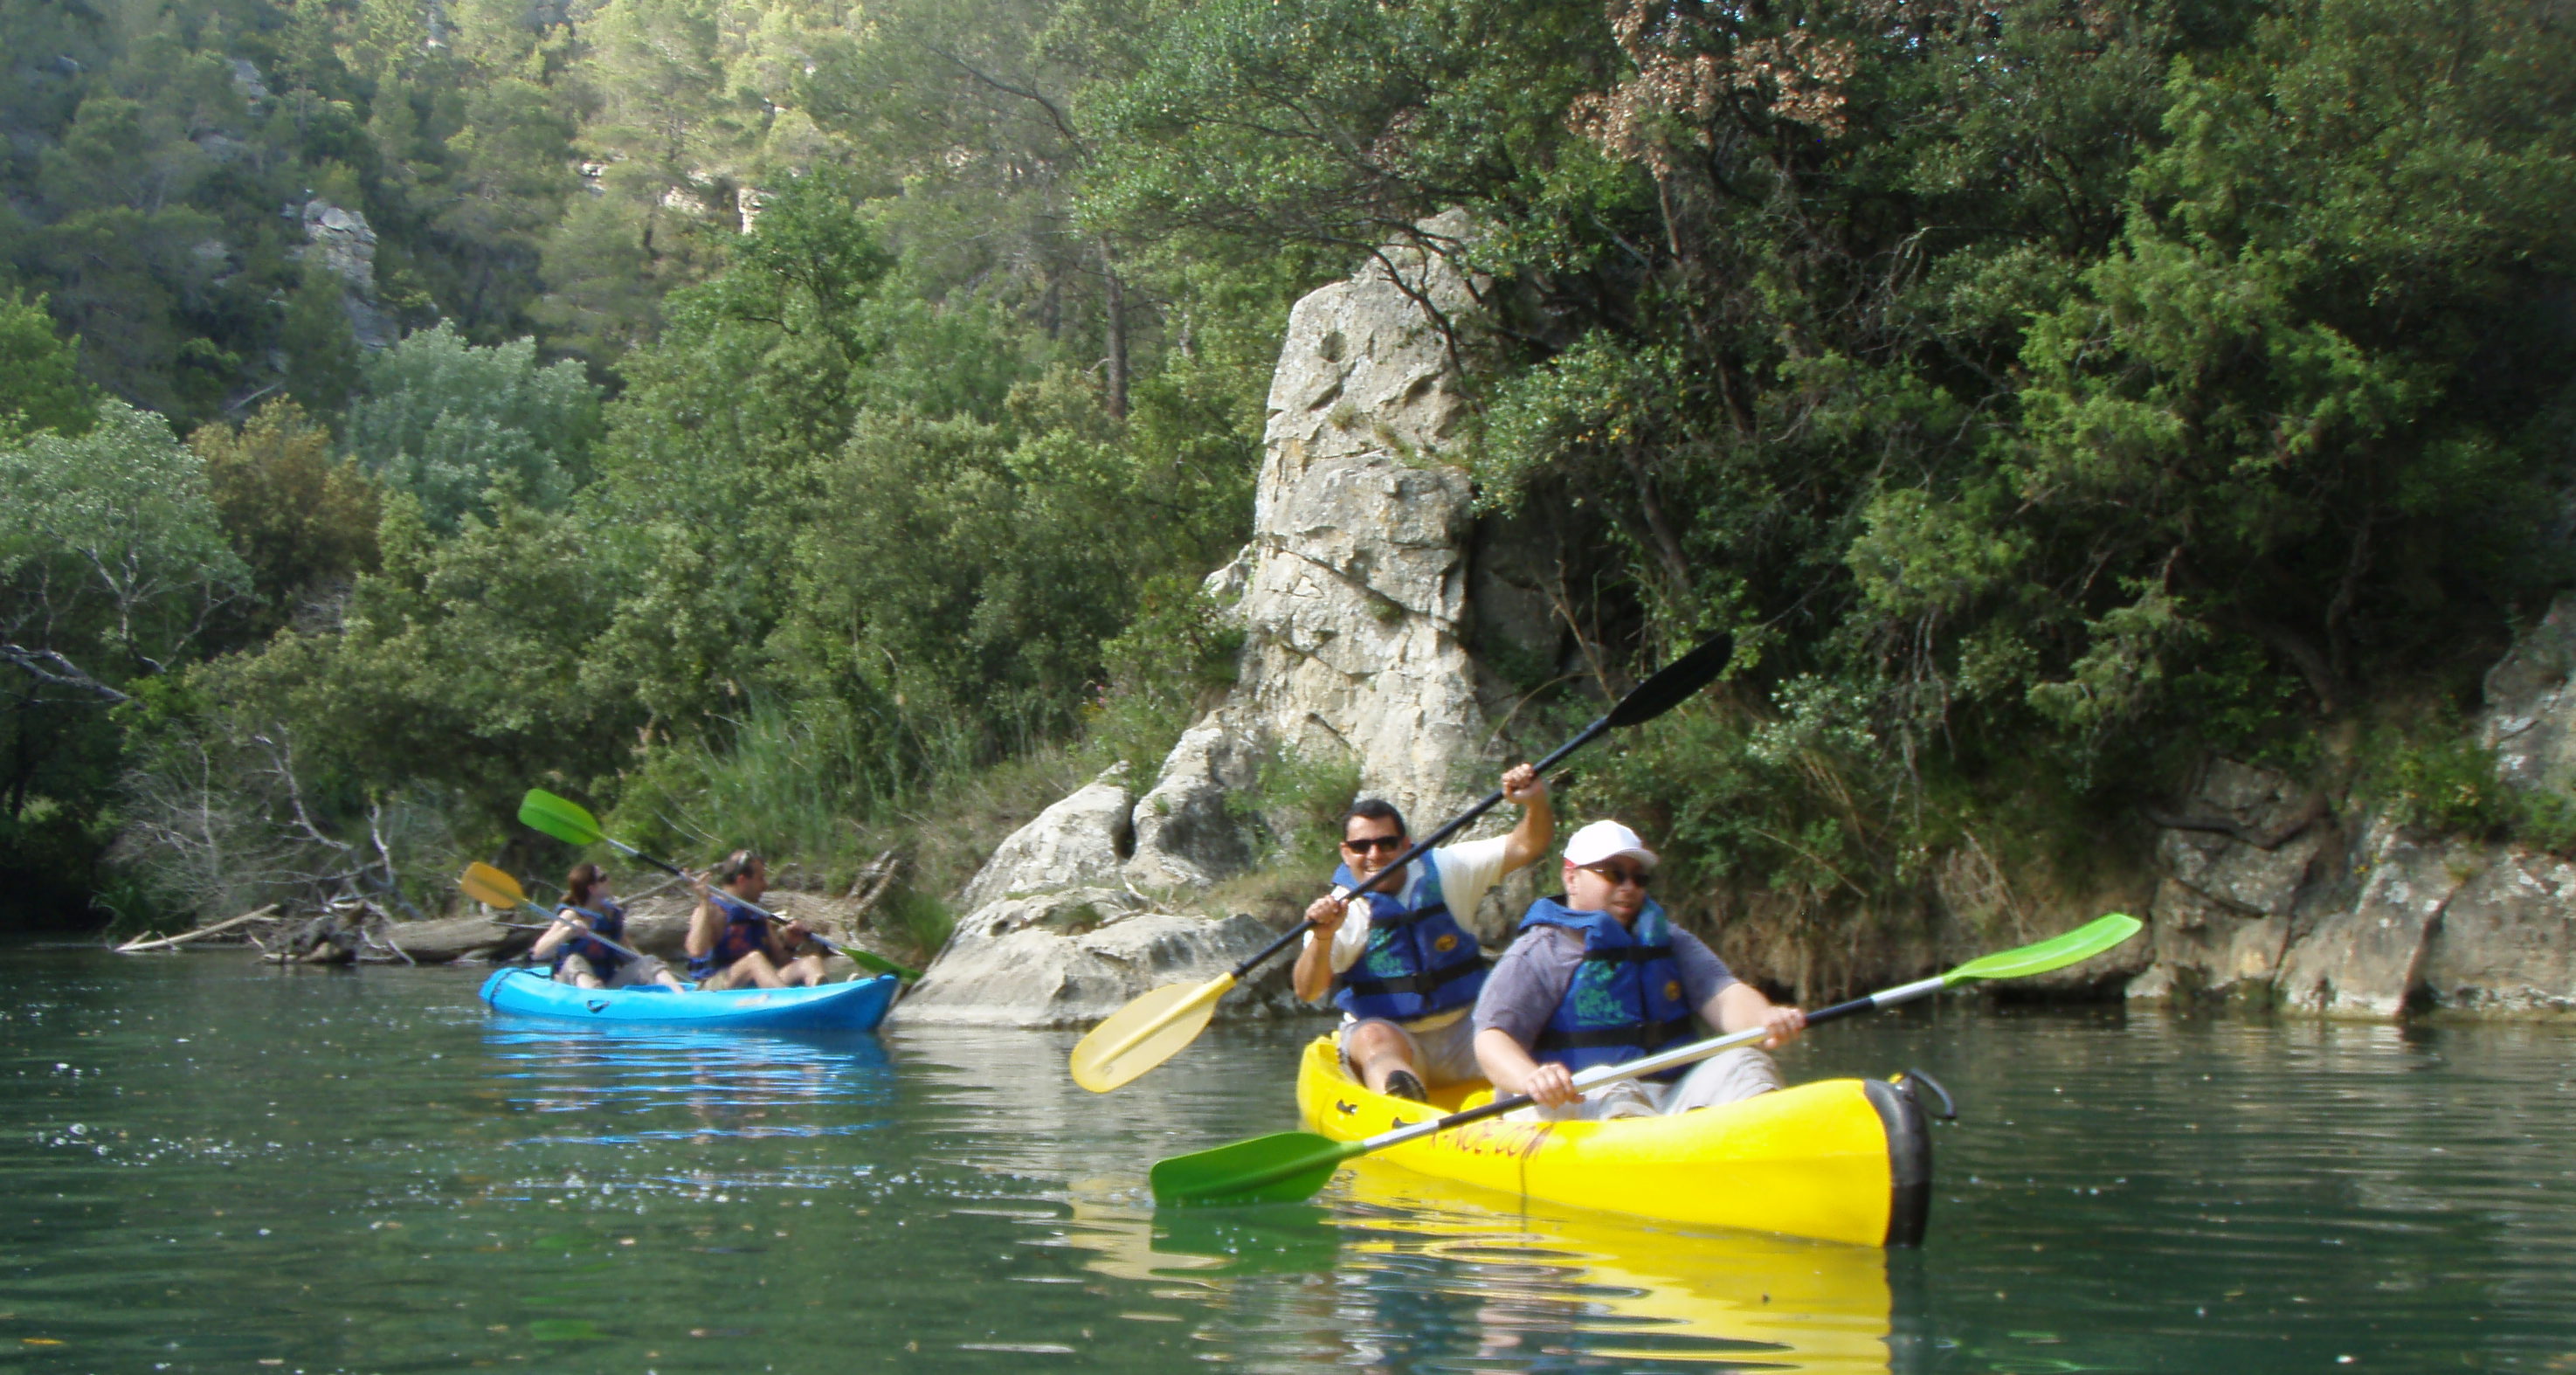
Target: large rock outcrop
[[1356, 599], [1354, 594], [2274, 896]]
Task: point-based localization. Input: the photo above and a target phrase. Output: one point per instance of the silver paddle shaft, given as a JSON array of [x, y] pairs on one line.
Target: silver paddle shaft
[[1657, 1063]]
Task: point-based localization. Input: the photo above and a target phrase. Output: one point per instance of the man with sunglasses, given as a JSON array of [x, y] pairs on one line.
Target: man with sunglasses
[[1397, 961], [1601, 977]]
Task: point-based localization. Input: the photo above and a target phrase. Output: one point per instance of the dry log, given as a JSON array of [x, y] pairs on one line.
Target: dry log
[[447, 939], [167, 942]]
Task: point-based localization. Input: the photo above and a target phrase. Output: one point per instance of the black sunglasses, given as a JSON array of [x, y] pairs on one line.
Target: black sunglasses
[[1383, 844], [1639, 877]]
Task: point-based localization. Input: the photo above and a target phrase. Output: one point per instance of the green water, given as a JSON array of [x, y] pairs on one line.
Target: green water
[[208, 1165]]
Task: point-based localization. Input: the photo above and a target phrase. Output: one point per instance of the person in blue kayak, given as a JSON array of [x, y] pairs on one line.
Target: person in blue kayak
[[580, 957], [1399, 960], [732, 944], [1601, 977]]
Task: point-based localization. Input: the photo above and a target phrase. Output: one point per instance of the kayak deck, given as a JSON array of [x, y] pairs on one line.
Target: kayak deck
[[854, 1006], [1838, 1160]]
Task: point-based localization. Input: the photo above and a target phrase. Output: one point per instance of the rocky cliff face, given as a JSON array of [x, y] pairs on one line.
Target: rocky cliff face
[[2273, 896]]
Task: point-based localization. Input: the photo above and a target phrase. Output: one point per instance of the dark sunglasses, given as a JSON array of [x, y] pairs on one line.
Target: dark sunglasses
[[1381, 844], [1639, 877]]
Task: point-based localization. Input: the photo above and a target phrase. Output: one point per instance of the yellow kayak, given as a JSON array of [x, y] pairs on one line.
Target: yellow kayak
[[1837, 1160]]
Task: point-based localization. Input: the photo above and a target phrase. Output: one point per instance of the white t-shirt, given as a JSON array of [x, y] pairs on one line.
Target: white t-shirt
[[1468, 870]]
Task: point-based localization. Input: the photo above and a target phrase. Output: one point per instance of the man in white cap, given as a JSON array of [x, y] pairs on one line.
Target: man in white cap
[[1602, 977]]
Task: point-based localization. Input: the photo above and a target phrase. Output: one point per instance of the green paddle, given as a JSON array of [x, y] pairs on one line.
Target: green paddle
[[1289, 1166], [571, 823]]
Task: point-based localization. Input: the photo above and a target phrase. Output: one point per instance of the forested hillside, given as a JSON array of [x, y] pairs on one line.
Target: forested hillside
[[807, 424]]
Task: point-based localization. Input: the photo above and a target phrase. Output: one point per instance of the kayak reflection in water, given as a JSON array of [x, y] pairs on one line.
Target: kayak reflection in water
[[731, 942], [581, 956], [1602, 978]]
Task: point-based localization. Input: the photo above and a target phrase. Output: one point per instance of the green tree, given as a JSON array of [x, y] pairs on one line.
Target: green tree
[[451, 423], [302, 520], [40, 382]]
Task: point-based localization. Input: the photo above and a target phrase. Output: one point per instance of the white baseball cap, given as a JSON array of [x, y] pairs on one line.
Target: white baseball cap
[[1603, 841]]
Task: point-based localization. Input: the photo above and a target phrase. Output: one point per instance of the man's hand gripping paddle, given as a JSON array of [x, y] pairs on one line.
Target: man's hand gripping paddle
[[571, 823], [1289, 1166], [1157, 1025], [495, 888]]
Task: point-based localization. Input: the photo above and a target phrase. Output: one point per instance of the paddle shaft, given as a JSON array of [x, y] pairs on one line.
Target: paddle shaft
[[587, 931], [864, 957], [1653, 1064], [1422, 847]]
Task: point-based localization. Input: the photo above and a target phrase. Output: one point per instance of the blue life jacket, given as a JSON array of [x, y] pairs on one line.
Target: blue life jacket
[[744, 932], [1419, 960], [609, 920], [1626, 998]]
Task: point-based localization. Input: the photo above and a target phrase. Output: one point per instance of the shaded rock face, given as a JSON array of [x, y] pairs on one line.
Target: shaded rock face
[[2530, 720], [342, 243], [2283, 909], [2239, 857]]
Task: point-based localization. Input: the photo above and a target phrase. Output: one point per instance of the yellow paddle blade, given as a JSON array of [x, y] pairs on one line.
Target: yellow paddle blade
[[492, 887], [1145, 1033]]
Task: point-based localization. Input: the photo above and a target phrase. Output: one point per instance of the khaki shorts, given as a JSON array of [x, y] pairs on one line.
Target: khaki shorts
[[634, 973], [1730, 1076], [1443, 1054]]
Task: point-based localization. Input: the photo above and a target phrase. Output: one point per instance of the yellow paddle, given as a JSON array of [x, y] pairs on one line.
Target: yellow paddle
[[1157, 1025]]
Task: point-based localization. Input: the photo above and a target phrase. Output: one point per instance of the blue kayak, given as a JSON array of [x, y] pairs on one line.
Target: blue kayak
[[855, 1006]]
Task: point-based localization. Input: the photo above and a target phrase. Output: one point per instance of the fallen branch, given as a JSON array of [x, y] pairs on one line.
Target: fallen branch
[[165, 942], [875, 879]]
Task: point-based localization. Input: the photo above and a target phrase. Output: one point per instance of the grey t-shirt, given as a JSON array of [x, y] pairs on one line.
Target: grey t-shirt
[[1527, 983]]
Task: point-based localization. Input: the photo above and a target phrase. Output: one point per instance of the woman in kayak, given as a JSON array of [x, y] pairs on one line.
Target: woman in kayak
[[581, 957]]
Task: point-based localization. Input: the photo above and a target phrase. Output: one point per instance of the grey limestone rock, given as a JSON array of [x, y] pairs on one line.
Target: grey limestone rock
[[1072, 958], [1354, 592], [2530, 719], [344, 244], [2507, 940], [1083, 839], [1187, 835], [2366, 960], [2203, 947]]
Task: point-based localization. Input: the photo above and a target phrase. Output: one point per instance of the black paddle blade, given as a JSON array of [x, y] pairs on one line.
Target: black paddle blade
[[1673, 682]]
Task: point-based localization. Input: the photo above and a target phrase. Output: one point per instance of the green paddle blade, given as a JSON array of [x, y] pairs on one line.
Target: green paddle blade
[[1285, 1167], [563, 819], [869, 959], [2057, 952]]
